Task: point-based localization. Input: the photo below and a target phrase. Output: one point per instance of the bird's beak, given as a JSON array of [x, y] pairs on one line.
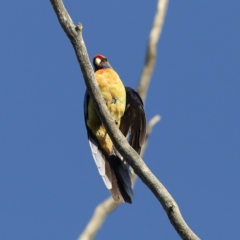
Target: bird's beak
[[105, 65], [100, 64]]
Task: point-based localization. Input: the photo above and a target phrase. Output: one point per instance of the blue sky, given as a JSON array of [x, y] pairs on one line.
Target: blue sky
[[49, 184]]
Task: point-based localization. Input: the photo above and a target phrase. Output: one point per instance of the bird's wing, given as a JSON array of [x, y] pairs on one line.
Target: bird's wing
[[96, 153], [114, 171], [133, 122]]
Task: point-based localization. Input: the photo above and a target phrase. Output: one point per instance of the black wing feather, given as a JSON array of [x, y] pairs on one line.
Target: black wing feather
[[133, 122]]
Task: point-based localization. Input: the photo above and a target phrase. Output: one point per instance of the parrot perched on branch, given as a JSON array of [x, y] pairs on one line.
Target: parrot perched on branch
[[126, 108]]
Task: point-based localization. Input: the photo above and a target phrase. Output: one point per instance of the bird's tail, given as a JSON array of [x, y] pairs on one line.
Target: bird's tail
[[119, 173]]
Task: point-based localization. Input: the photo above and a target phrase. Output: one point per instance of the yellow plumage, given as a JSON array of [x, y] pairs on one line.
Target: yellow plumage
[[114, 94]]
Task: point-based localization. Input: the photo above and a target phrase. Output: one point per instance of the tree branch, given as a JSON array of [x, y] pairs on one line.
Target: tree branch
[[107, 206], [152, 48], [170, 206], [99, 216]]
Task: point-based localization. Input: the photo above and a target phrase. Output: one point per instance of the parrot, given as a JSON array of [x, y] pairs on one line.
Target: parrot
[[126, 107]]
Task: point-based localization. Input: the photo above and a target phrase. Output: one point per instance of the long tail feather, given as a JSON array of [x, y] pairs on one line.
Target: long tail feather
[[123, 179], [119, 176]]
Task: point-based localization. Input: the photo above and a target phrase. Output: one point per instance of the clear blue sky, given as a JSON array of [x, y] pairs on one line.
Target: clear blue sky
[[49, 184]]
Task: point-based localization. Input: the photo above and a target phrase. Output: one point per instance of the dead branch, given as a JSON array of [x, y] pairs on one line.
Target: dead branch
[[151, 53], [74, 34]]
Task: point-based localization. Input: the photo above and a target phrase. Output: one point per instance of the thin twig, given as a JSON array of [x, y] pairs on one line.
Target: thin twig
[[109, 205], [150, 126], [152, 48], [129, 154], [99, 216]]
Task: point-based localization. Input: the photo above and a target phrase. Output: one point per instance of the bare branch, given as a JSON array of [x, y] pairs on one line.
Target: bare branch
[[150, 126], [109, 205], [99, 216], [152, 48], [140, 168]]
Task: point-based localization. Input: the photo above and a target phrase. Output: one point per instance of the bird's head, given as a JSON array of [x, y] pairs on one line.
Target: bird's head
[[100, 62]]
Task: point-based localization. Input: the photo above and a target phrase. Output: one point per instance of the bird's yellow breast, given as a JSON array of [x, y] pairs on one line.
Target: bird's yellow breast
[[114, 94]]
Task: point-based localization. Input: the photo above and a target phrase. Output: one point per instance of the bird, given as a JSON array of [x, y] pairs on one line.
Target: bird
[[126, 107]]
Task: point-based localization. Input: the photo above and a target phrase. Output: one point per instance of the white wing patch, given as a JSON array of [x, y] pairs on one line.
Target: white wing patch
[[97, 156]]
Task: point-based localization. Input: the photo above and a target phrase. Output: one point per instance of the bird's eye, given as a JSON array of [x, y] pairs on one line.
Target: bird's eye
[[105, 59]]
